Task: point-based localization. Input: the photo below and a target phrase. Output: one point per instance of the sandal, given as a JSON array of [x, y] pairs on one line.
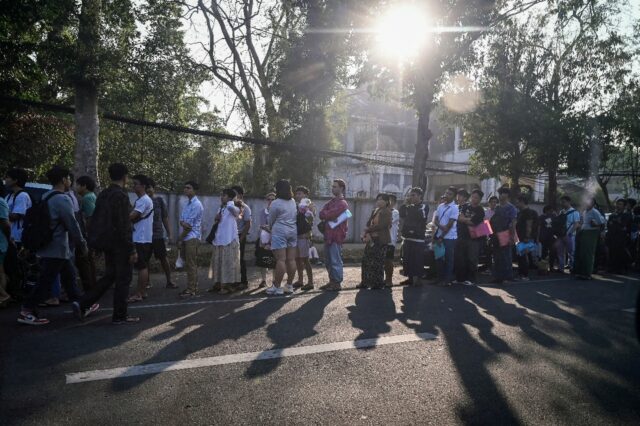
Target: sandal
[[307, 287], [135, 298]]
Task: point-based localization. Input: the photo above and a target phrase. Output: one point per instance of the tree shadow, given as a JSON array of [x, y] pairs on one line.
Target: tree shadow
[[291, 329]]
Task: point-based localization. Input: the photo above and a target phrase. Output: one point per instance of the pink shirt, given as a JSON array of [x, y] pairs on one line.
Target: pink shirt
[[334, 208]]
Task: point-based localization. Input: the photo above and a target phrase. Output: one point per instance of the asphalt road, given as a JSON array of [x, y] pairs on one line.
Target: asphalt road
[[543, 352]]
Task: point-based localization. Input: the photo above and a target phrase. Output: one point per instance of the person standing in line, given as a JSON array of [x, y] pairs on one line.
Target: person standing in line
[[467, 248], [86, 265], [264, 242], [377, 237], [447, 234], [111, 233], [225, 261], [284, 237], [244, 225], [5, 240], [304, 220], [488, 214], [617, 238], [545, 234], [566, 243], [413, 213], [391, 249], [334, 237], [160, 225], [588, 240], [527, 230], [503, 220], [142, 219], [491, 209], [55, 257], [191, 223], [18, 201]]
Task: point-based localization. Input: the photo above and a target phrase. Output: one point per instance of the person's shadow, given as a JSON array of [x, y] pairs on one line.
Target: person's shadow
[[291, 329], [372, 313]]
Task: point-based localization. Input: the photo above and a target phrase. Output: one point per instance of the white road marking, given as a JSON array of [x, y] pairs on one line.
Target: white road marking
[[631, 310], [145, 369]]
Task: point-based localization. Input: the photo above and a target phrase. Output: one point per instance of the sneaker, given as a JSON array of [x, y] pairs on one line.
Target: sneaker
[[333, 287], [91, 309], [307, 287], [186, 294], [31, 319], [525, 279], [126, 320], [274, 291], [288, 289], [469, 283], [297, 284]]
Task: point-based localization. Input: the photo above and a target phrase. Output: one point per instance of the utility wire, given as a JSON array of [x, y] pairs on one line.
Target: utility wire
[[17, 102]]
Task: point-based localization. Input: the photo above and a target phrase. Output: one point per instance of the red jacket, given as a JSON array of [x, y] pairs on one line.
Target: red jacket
[[334, 208]]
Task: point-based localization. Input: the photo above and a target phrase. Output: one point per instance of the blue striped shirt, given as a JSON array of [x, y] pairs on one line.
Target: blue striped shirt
[[192, 214]]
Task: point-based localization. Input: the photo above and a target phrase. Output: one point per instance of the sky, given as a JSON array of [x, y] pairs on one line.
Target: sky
[[223, 100]]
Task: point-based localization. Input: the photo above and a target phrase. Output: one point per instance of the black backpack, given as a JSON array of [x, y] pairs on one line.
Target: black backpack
[[559, 224], [303, 225], [102, 231], [36, 229]]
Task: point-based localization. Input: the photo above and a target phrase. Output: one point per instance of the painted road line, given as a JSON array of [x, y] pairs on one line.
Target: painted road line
[[161, 367], [630, 310]]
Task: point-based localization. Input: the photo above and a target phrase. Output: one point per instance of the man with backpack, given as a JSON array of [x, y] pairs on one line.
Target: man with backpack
[[48, 227], [142, 219], [111, 233], [565, 226], [19, 202]]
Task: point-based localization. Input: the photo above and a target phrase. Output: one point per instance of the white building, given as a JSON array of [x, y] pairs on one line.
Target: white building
[[381, 130]]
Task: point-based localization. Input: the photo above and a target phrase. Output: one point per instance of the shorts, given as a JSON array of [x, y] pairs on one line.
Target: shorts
[[144, 251], [303, 248], [159, 248], [283, 241], [391, 252]]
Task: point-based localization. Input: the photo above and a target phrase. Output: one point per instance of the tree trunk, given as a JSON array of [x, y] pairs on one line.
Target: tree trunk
[[605, 191], [422, 147], [87, 131], [86, 91]]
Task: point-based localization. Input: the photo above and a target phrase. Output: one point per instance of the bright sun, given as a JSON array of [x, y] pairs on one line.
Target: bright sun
[[402, 31]]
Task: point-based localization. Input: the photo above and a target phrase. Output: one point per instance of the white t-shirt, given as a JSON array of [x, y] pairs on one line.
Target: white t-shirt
[[445, 213], [19, 205], [395, 225], [227, 231], [143, 229]]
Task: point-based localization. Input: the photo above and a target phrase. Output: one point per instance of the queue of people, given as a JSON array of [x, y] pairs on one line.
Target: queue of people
[[69, 228]]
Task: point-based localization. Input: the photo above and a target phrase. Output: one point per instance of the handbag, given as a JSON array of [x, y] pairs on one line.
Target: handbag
[[481, 230], [438, 250], [264, 257], [321, 226]]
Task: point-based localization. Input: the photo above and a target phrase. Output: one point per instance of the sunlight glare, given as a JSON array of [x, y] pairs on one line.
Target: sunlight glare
[[402, 31]]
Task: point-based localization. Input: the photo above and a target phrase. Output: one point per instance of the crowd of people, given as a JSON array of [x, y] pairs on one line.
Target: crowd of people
[[70, 226]]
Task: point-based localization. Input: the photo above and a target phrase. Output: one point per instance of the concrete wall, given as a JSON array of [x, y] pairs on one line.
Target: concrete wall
[[361, 209]]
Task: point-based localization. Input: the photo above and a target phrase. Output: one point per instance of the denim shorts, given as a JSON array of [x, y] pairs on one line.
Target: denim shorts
[[283, 241]]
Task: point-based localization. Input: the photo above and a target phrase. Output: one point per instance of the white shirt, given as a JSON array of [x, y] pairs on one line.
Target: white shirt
[[143, 229], [395, 225], [19, 205], [445, 213], [227, 231]]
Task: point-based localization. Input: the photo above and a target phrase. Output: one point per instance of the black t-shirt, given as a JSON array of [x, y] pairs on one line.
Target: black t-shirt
[[521, 224], [545, 224], [477, 216]]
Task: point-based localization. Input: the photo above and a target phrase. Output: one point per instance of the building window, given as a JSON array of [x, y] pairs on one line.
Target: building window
[[391, 179]]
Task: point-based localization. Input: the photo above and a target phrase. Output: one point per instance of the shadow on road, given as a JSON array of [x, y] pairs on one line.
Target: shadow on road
[[291, 329]]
